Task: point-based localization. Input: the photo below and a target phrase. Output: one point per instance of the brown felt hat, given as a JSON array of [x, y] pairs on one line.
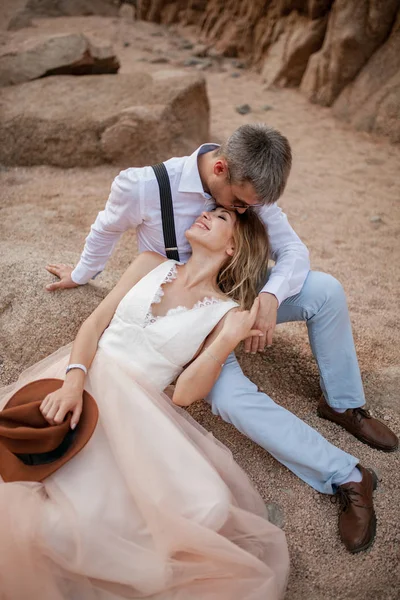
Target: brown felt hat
[[32, 449]]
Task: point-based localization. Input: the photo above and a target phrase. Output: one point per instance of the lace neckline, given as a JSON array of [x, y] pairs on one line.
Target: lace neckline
[[170, 276]]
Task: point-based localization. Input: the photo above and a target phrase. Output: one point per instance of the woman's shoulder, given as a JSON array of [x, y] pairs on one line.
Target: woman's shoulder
[[150, 260], [219, 295]]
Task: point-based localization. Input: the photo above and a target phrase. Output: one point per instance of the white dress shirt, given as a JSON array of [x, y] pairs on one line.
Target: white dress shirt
[[134, 201]]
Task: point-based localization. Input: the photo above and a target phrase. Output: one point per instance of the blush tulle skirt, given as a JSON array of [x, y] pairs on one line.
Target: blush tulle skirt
[[153, 507]]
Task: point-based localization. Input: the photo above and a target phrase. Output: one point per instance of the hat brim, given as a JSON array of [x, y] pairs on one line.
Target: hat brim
[[12, 469]]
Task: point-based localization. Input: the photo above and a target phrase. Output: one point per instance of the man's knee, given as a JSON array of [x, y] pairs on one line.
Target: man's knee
[[234, 402], [325, 287]]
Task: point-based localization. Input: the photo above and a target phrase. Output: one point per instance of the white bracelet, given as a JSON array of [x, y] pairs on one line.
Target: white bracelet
[[213, 357], [76, 366]]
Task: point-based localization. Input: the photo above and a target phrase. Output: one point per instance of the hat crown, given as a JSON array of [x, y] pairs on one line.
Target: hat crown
[[24, 430], [30, 447]]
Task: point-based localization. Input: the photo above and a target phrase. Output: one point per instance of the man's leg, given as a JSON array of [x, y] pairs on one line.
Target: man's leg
[[321, 303], [291, 441]]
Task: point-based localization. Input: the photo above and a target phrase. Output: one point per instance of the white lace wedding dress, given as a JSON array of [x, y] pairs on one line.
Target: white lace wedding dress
[[153, 507]]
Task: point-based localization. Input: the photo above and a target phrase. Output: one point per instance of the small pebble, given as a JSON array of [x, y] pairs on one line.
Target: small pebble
[[267, 107], [243, 109], [376, 219], [186, 45], [126, 44], [275, 514], [200, 50], [238, 64], [192, 62], [235, 75], [159, 60]]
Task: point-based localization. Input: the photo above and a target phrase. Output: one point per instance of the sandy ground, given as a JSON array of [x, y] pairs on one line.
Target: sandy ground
[[343, 200]]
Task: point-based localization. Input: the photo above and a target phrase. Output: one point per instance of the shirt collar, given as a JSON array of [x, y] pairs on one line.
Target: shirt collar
[[190, 178]]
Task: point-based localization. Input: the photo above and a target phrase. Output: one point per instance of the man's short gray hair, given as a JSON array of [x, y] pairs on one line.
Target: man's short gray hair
[[260, 155]]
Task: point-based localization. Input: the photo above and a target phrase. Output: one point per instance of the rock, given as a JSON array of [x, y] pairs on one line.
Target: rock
[[192, 62], [200, 50], [126, 44], [275, 515], [159, 60], [238, 64], [376, 219], [134, 119], [320, 45], [372, 101], [20, 21], [318, 8], [286, 60], [39, 56], [355, 30], [267, 107], [57, 317], [235, 75], [186, 45], [23, 11], [127, 12], [203, 66], [243, 109]]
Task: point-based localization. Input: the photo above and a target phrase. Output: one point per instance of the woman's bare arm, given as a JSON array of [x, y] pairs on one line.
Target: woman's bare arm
[[69, 398], [198, 378]]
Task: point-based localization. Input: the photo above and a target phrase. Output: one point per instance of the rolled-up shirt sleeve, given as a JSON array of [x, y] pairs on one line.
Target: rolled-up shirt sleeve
[[291, 256], [123, 210]]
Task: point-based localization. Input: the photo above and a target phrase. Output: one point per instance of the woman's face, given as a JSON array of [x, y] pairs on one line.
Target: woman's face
[[214, 230]]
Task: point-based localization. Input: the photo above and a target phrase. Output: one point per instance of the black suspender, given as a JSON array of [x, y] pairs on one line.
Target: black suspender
[[167, 211]]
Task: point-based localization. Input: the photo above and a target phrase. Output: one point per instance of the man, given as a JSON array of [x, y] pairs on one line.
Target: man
[[249, 172]]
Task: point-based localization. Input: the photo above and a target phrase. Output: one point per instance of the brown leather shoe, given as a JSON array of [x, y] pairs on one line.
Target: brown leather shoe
[[359, 422], [357, 520]]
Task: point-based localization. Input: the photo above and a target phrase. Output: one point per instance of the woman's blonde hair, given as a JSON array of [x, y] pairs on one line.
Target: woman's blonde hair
[[244, 274]]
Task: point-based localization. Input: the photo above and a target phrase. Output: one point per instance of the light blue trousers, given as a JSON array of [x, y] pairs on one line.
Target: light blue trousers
[[322, 305]]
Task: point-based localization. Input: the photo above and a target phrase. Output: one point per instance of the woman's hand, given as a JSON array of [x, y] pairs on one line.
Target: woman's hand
[[58, 404], [265, 322], [238, 324]]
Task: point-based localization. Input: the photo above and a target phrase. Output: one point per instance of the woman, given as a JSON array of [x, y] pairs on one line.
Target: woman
[[152, 507]]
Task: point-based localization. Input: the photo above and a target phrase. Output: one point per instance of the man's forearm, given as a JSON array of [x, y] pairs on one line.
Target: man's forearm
[[98, 248], [288, 275], [291, 256]]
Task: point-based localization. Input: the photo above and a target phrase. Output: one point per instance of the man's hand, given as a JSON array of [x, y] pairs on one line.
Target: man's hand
[[64, 273], [265, 322]]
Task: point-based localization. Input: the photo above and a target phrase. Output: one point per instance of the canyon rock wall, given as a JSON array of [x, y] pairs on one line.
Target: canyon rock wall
[[338, 52]]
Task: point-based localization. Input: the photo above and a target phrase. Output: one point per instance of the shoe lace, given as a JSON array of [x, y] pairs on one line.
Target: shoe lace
[[360, 413], [346, 497]]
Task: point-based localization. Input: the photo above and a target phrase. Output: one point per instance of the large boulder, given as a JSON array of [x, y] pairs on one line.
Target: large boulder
[[372, 102], [46, 214], [16, 14], [34, 322], [355, 30], [319, 45], [286, 59], [83, 121], [38, 56]]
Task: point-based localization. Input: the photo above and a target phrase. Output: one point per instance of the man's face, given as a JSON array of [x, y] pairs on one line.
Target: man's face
[[232, 196]]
